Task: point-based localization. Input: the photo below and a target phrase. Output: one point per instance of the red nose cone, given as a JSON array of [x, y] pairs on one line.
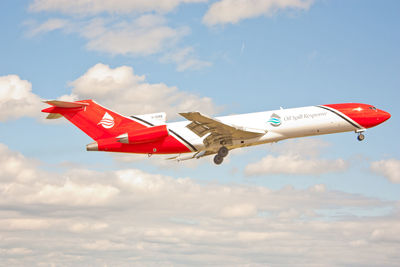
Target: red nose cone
[[384, 116], [365, 115]]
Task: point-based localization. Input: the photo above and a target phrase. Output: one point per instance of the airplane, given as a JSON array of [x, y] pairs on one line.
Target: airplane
[[201, 135]]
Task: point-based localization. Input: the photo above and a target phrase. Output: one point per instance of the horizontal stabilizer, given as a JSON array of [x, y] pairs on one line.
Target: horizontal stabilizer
[[61, 107], [65, 104], [53, 116]]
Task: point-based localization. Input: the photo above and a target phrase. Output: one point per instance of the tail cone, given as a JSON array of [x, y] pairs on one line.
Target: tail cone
[[92, 147]]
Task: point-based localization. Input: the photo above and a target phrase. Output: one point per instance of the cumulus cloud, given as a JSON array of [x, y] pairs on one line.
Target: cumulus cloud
[[93, 194], [17, 99], [130, 216], [233, 11], [118, 88], [21, 179], [145, 33], [85, 7], [125, 92], [389, 168], [15, 167], [296, 157]]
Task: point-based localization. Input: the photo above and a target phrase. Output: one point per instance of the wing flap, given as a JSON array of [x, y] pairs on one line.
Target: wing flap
[[203, 125], [199, 128]]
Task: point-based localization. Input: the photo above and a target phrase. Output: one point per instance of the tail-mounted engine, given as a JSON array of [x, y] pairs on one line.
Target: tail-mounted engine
[[146, 135]]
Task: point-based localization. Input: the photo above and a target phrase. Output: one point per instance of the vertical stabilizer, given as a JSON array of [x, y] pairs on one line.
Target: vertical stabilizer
[[93, 119]]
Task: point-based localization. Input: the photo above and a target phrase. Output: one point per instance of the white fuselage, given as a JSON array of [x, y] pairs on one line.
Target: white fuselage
[[290, 123]]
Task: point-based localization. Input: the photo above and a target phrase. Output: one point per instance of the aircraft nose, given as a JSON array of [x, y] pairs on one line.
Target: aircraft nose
[[383, 115]]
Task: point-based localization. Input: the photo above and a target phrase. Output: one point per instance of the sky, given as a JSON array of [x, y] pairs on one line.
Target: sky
[[318, 201]]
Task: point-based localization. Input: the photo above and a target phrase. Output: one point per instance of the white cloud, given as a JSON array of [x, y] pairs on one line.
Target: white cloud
[[145, 35], [309, 147], [17, 99], [24, 224], [87, 227], [15, 252], [104, 245], [389, 168], [85, 7], [185, 59], [128, 93], [163, 162], [119, 88], [386, 234], [153, 219], [21, 179], [71, 193], [47, 26], [294, 164], [233, 11], [239, 210], [296, 157]]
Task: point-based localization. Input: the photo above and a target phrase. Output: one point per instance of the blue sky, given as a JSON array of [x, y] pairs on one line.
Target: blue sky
[[221, 57]]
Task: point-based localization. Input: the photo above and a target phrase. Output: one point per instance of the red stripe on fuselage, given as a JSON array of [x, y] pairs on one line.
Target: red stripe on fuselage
[[167, 145]]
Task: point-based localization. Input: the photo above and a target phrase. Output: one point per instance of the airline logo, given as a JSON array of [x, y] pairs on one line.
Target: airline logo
[[107, 121], [275, 120]]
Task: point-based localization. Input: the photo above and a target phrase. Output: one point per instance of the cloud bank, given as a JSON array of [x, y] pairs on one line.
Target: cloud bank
[[128, 216]]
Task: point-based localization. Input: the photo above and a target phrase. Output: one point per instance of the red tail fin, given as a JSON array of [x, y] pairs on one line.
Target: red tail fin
[[93, 119]]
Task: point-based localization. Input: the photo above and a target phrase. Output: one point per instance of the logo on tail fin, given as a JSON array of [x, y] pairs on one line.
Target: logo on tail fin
[[107, 121]]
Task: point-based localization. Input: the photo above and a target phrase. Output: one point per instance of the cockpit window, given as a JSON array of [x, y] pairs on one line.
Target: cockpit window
[[373, 108]]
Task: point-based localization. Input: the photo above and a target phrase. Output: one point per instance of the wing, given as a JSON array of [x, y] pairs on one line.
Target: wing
[[218, 132]]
